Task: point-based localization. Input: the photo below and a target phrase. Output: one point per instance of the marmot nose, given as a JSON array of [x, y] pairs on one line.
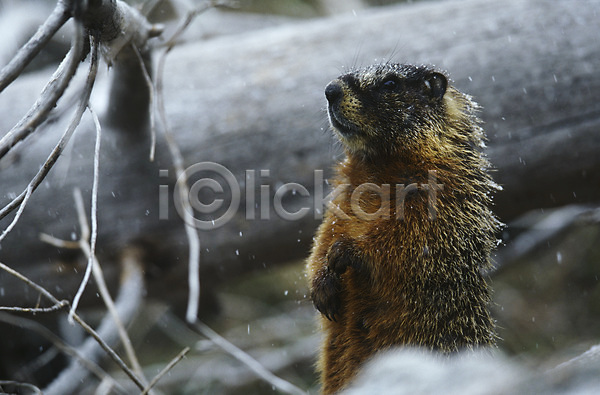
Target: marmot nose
[[333, 91]]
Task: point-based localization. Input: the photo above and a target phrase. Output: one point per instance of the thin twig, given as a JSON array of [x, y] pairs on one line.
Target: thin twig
[[49, 96], [94, 268], [253, 364], [27, 194], [56, 242], [191, 15], [148, 79], [85, 231], [128, 301], [58, 343], [27, 52], [94, 210], [27, 281], [103, 289], [35, 310], [178, 162], [58, 149], [113, 355], [111, 352], [85, 234], [165, 370]]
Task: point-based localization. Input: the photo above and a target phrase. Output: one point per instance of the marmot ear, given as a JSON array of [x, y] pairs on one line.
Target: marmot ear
[[436, 84]]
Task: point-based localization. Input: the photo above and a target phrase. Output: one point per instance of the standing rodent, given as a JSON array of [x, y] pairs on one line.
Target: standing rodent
[[398, 259]]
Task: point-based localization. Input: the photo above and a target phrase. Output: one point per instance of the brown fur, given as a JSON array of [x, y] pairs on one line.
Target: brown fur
[[411, 274]]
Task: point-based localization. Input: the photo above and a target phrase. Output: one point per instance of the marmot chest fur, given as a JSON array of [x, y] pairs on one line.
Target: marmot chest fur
[[398, 259]]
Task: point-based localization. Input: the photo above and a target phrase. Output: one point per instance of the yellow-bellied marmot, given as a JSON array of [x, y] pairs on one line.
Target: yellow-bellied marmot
[[399, 256]]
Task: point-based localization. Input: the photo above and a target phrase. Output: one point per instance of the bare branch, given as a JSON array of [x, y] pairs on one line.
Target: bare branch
[[58, 343], [27, 52], [35, 310], [113, 355], [26, 195], [95, 268], [190, 231], [178, 162], [27, 281], [49, 96], [85, 234], [58, 149], [191, 15], [119, 25], [166, 369], [112, 309], [151, 100], [85, 231], [247, 360], [83, 324], [127, 303], [58, 242]]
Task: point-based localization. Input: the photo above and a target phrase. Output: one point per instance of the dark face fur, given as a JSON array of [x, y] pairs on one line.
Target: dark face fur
[[383, 109]]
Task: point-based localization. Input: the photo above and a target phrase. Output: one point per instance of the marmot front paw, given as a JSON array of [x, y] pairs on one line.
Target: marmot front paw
[[325, 293]]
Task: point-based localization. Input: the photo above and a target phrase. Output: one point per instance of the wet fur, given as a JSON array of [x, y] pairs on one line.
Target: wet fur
[[405, 277]]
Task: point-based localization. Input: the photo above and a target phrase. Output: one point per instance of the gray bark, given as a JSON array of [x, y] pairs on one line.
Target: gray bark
[[255, 101]]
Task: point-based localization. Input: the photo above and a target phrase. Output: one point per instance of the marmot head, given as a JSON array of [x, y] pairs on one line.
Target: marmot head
[[388, 109]]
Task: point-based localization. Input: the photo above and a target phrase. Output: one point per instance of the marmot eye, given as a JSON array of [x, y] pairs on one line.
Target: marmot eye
[[389, 84]]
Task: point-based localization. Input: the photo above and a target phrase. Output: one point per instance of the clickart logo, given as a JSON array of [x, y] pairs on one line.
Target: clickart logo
[[213, 196]]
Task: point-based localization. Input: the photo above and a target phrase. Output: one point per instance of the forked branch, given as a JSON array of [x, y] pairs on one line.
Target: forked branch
[[27, 52]]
